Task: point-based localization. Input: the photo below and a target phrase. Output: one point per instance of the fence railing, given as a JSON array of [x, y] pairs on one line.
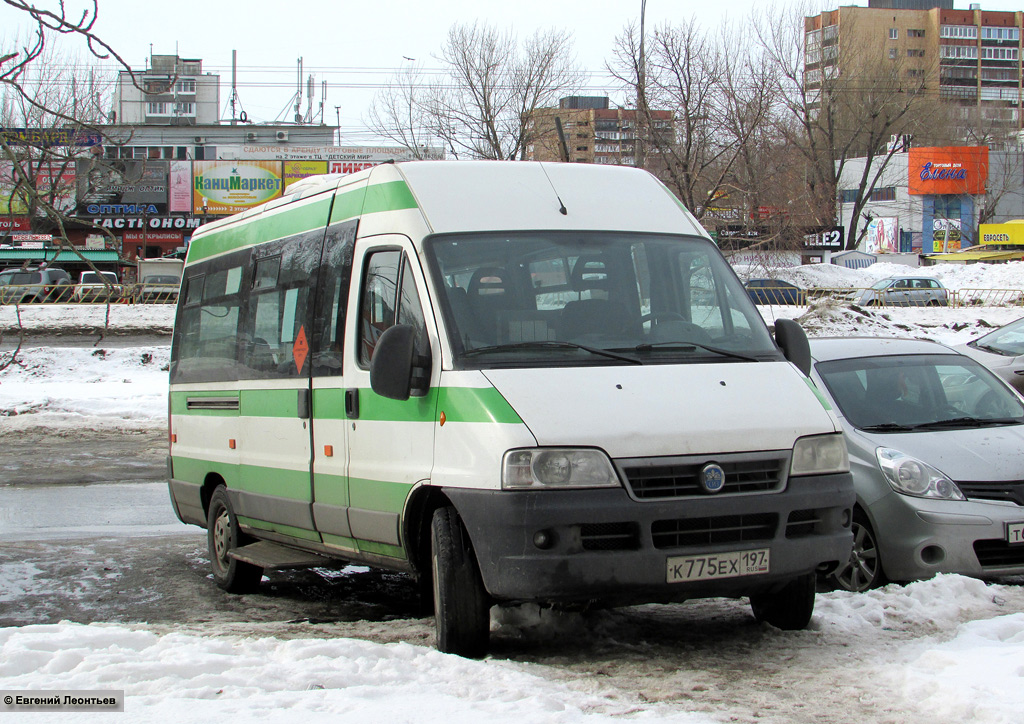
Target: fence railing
[[897, 298], [88, 294]]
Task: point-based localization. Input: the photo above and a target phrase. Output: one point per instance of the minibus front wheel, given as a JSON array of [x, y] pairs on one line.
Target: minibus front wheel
[[223, 536], [461, 604]]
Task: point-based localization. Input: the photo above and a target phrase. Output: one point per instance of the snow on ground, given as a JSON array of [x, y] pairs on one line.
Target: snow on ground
[[963, 672]]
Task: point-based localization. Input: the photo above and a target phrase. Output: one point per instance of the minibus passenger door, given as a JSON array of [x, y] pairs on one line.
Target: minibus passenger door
[[390, 441]]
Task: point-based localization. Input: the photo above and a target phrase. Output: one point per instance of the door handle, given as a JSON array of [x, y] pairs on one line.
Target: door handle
[[303, 405], [352, 403]]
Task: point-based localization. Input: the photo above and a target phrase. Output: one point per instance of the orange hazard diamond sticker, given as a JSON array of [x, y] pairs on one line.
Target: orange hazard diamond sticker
[[300, 349]]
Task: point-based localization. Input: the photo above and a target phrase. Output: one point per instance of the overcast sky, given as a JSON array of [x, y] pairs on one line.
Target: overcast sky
[[357, 46]]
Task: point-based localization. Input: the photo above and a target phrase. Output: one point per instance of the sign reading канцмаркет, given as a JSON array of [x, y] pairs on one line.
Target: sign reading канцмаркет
[[62, 700]]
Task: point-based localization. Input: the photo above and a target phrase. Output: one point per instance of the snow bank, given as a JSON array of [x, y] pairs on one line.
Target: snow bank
[[186, 678]]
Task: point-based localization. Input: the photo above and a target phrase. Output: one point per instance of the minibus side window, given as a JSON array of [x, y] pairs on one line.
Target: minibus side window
[[382, 306], [377, 311], [277, 331]]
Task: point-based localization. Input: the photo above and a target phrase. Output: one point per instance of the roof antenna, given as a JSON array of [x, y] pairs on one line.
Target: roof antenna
[[561, 207]]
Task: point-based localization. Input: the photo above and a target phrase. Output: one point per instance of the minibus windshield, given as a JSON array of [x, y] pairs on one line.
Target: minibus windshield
[[592, 298]]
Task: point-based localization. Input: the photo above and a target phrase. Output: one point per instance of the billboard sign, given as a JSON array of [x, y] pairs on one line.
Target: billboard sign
[[298, 170], [112, 183], [372, 155], [47, 137], [881, 237], [946, 235], [227, 187], [827, 239], [948, 170]]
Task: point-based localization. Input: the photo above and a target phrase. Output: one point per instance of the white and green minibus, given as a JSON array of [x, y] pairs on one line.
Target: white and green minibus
[[518, 382]]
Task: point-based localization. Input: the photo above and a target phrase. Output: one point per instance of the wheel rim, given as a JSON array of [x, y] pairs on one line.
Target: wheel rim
[[221, 539], [862, 570]]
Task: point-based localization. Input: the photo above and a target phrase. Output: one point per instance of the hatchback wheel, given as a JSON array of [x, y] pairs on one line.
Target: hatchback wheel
[[864, 569]]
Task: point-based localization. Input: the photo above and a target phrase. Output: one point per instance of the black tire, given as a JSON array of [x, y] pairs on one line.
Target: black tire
[[864, 569], [223, 536], [461, 605], [790, 607]]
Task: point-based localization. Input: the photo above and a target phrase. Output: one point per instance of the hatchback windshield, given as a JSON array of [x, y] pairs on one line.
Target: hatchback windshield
[[915, 392], [1008, 340], [599, 297]]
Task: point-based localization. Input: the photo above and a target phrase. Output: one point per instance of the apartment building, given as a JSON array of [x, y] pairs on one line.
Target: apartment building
[[593, 132], [969, 57]]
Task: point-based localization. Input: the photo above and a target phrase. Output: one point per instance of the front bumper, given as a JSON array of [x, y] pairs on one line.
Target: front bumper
[[602, 545], [918, 537]]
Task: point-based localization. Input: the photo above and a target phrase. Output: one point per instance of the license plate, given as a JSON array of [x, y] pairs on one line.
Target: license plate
[[719, 565], [1014, 533]]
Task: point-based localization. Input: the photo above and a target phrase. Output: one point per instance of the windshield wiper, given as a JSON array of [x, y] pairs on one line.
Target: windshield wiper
[[952, 424], [888, 427], [967, 421], [690, 347], [551, 345]]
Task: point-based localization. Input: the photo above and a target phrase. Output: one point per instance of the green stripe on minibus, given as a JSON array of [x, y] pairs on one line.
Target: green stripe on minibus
[[459, 404], [382, 549], [817, 393], [278, 482], [475, 404], [193, 470], [269, 403], [391, 196], [378, 495], [348, 205], [259, 229]]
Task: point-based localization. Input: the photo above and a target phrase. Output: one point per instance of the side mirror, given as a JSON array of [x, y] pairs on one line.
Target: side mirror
[[792, 340], [395, 362]]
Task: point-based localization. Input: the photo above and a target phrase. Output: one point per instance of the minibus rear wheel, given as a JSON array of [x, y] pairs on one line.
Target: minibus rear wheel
[[223, 536], [790, 607], [461, 606]]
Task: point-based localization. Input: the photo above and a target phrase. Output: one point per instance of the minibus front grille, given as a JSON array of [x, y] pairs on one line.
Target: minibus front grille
[[713, 530], [659, 479], [998, 553], [610, 536]]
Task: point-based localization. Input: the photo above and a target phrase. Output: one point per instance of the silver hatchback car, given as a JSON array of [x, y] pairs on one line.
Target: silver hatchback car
[[904, 292], [936, 446]]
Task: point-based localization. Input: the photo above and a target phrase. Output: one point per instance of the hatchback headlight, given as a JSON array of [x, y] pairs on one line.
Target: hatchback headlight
[[557, 468], [820, 455], [910, 476]]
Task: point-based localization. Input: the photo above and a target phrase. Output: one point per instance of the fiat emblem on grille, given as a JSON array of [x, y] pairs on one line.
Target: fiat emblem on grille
[[712, 477]]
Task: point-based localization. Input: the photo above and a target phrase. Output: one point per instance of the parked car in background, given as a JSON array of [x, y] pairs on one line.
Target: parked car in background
[[98, 287], [936, 444], [904, 292], [1002, 351], [775, 291], [157, 289], [34, 285]]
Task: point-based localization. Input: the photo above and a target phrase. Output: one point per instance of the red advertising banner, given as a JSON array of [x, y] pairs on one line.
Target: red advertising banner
[[15, 223], [948, 170]]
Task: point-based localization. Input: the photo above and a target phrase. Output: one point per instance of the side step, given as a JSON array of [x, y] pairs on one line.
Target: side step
[[275, 556]]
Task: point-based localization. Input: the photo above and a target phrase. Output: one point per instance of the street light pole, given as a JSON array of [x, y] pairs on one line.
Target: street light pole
[[337, 111]]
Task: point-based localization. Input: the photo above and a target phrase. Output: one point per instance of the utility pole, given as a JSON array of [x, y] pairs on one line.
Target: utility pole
[[639, 152]]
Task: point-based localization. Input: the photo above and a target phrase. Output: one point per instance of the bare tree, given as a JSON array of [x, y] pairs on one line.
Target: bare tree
[[481, 101], [44, 90], [842, 102], [704, 105]]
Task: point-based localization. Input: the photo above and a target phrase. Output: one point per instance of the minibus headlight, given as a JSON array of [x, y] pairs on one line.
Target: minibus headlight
[[910, 476], [557, 468], [820, 455]]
